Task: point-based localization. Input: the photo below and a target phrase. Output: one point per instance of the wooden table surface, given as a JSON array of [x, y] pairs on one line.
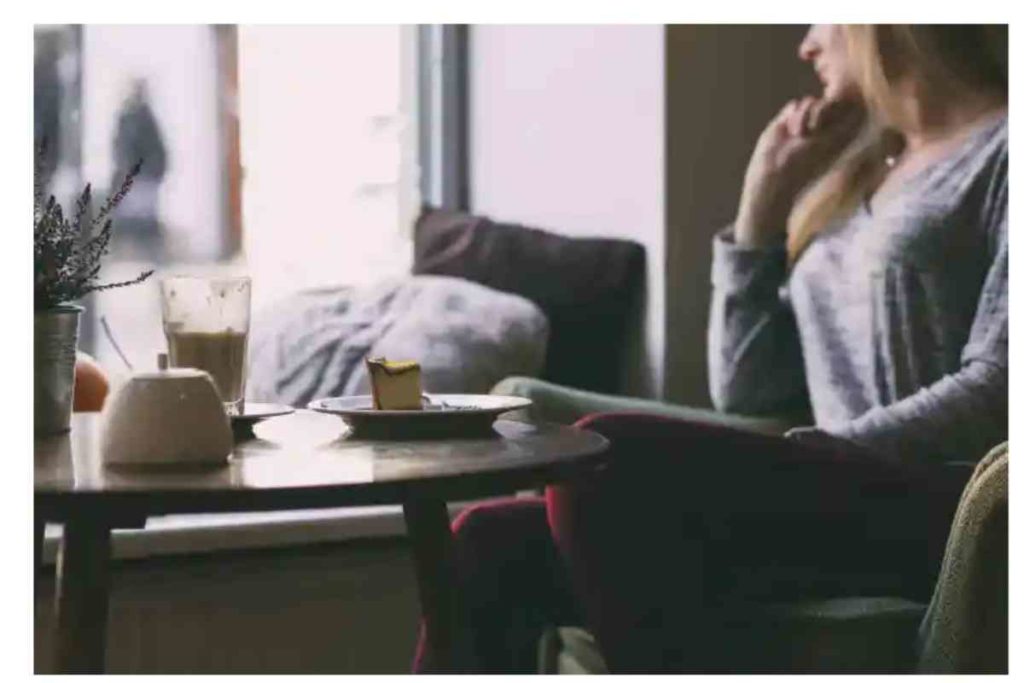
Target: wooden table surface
[[300, 461]]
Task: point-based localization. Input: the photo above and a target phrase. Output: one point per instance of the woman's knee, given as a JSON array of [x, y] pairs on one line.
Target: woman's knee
[[656, 462], [611, 424], [676, 445], [625, 427]]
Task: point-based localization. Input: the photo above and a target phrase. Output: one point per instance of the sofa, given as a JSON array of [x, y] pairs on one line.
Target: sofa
[[590, 289], [484, 300]]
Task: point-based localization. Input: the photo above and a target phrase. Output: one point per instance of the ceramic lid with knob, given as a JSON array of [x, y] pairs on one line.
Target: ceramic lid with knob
[[173, 415]]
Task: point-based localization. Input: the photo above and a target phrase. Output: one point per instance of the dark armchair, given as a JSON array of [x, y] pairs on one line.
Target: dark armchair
[[963, 630]]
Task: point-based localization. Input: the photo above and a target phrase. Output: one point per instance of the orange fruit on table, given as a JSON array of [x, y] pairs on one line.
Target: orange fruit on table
[[91, 384]]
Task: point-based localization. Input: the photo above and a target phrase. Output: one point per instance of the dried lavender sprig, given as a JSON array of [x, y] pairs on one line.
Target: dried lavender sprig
[[82, 206], [115, 199], [68, 254], [114, 285], [96, 247]]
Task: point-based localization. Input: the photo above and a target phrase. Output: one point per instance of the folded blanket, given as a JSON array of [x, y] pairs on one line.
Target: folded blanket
[[466, 337]]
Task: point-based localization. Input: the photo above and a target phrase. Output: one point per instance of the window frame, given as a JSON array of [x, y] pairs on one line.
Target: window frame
[[443, 145], [444, 141]]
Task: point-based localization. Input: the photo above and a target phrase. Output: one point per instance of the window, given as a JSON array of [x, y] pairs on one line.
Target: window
[[287, 152], [328, 153], [290, 153]]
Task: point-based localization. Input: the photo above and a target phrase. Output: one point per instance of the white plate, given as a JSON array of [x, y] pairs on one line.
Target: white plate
[[449, 414]]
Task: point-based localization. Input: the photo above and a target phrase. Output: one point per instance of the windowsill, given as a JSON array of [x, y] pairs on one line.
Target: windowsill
[[211, 533]]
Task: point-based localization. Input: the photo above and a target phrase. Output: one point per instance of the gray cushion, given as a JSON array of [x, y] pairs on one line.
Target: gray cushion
[[589, 288], [465, 336]]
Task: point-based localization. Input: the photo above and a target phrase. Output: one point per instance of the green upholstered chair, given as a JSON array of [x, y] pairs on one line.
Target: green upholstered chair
[[962, 630], [565, 405]]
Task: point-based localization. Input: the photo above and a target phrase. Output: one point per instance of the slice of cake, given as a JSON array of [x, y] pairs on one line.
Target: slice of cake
[[395, 384]]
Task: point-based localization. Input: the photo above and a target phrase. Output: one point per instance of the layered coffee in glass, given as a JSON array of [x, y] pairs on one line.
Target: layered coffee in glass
[[206, 322]]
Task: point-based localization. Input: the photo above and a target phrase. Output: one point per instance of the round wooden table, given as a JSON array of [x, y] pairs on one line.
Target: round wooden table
[[300, 461]]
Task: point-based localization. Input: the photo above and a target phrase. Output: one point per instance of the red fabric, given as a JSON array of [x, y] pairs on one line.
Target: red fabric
[[511, 585], [685, 523]]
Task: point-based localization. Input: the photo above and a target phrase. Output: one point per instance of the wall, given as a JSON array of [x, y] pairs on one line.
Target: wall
[[722, 85], [567, 135], [347, 608], [640, 132]]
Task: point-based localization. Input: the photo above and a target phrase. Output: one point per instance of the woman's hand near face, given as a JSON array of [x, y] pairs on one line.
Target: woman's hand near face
[[796, 146]]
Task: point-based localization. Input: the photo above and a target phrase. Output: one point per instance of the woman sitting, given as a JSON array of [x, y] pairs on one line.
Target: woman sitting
[[866, 276]]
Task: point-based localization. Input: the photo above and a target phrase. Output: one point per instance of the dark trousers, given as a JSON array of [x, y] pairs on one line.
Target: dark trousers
[[687, 524]]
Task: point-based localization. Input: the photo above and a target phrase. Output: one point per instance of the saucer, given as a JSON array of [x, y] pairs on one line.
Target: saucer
[[242, 424]]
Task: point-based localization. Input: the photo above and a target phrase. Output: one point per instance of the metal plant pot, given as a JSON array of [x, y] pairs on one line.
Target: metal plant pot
[[56, 340]]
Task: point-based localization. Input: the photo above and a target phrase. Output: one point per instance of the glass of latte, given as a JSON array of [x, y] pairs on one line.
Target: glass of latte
[[206, 322]]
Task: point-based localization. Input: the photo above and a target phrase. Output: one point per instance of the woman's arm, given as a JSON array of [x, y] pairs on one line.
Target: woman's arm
[[794, 148], [755, 365], [964, 414]]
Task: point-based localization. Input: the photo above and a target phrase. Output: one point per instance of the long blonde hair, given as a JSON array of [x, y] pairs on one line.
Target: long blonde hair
[[943, 57]]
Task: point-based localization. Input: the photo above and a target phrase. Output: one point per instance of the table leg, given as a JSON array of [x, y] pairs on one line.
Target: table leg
[[40, 528], [83, 583], [430, 535]]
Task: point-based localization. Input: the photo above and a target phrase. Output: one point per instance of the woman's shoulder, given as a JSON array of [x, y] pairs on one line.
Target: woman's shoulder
[[992, 151], [995, 172], [978, 180], [988, 148], [997, 145]]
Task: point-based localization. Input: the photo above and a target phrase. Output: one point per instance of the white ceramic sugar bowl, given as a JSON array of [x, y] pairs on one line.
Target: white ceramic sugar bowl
[[174, 415]]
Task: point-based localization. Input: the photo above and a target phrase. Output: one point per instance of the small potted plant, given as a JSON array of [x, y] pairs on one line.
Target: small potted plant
[[67, 252]]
